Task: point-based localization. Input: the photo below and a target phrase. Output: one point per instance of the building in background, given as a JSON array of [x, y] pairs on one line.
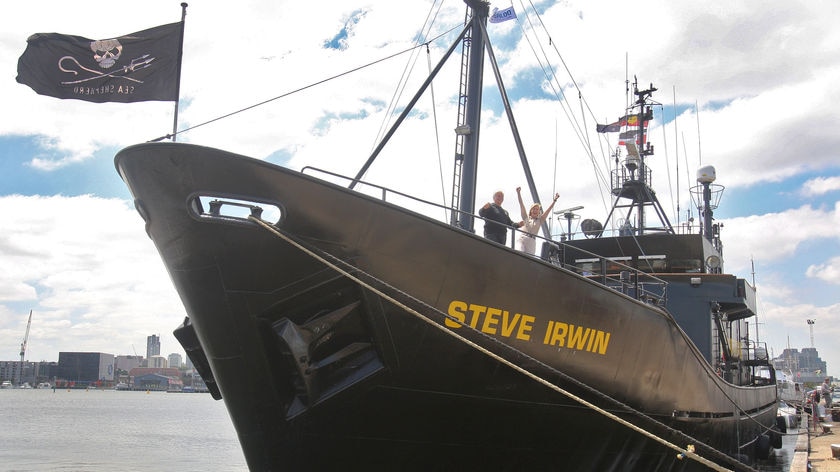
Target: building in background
[[127, 363], [9, 370], [156, 378], [123, 365], [157, 362], [175, 360], [805, 367], [86, 368], [158, 382], [152, 346], [47, 372]]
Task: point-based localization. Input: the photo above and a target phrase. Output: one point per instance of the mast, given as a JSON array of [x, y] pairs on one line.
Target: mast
[[469, 130], [466, 170], [644, 116], [706, 180], [475, 44], [631, 181], [708, 196]]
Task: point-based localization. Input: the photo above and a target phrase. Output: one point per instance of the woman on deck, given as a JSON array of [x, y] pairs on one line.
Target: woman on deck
[[533, 220]]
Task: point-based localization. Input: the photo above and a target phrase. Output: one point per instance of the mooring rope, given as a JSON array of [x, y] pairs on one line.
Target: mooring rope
[[688, 452]]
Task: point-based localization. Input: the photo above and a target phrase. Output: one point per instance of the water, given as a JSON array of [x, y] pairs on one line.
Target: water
[[780, 459], [98, 430]]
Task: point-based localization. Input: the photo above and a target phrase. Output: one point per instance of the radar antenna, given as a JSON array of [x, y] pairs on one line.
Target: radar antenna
[[569, 215]]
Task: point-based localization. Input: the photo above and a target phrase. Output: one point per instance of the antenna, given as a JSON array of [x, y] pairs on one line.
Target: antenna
[[569, 215], [677, 159], [811, 328], [699, 151]]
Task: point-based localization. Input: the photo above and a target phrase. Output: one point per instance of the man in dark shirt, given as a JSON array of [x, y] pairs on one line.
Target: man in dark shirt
[[498, 221]]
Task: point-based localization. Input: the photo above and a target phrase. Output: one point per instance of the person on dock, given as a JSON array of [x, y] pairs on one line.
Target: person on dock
[[497, 220], [532, 221], [825, 390], [815, 409]]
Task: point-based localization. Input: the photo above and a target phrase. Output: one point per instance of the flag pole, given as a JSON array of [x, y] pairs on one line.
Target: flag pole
[[178, 75]]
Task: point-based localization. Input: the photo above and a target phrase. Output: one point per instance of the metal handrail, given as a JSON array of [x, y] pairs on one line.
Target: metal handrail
[[629, 280]]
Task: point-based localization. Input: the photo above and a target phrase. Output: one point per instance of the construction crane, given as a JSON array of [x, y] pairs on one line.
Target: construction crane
[[23, 347]]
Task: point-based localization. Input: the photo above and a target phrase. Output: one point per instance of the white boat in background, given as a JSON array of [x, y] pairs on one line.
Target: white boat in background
[[789, 391]]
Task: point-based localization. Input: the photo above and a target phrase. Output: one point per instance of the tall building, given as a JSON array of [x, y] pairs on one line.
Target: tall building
[[152, 346], [175, 360]]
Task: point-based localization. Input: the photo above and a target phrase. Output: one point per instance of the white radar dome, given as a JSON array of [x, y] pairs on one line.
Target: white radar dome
[[706, 174]]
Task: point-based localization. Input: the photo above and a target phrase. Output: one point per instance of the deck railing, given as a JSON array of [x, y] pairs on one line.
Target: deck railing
[[614, 274]]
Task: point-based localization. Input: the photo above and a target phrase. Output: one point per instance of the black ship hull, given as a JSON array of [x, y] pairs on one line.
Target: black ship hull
[[352, 333]]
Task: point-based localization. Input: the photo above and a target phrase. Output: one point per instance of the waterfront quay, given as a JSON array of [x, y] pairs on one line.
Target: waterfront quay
[[813, 452]]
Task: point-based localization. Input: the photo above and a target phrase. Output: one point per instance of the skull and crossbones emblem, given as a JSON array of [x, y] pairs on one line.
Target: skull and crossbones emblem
[[106, 52]]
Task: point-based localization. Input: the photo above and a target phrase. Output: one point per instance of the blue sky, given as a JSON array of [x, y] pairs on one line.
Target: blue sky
[[760, 83]]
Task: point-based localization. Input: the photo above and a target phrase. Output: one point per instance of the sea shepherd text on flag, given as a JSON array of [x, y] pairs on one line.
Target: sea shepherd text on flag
[[141, 66]]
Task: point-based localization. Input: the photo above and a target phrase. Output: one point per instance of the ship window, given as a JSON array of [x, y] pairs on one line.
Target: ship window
[[592, 266], [686, 265], [656, 263], [618, 264]]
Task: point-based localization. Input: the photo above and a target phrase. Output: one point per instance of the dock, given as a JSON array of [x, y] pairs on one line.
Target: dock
[[813, 451]]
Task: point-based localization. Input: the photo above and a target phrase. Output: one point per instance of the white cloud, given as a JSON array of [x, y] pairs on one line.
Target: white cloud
[[789, 328], [94, 272], [820, 186], [774, 236], [828, 271]]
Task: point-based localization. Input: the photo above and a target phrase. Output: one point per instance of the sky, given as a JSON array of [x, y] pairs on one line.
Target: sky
[[750, 91]]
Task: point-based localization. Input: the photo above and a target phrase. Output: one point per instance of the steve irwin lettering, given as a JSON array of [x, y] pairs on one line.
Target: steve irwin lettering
[[521, 326]]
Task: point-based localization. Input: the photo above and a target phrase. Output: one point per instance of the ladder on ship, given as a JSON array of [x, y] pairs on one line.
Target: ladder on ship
[[461, 127]]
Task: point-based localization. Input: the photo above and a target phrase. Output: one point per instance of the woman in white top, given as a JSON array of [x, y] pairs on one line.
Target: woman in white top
[[532, 220]]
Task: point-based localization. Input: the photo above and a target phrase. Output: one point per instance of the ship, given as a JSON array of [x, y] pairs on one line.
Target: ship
[[345, 331]]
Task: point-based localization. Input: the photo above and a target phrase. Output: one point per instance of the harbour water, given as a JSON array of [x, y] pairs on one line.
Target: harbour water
[[780, 459], [99, 430]]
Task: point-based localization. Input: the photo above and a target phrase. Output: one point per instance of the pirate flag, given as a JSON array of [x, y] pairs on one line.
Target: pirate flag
[[141, 66]]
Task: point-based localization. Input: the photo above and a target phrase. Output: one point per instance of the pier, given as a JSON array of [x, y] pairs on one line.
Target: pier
[[813, 451]]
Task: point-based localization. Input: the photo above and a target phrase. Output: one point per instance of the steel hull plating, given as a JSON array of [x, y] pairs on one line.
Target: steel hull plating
[[322, 369]]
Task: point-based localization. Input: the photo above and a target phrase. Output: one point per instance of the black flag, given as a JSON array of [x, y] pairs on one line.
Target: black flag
[[137, 67]]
